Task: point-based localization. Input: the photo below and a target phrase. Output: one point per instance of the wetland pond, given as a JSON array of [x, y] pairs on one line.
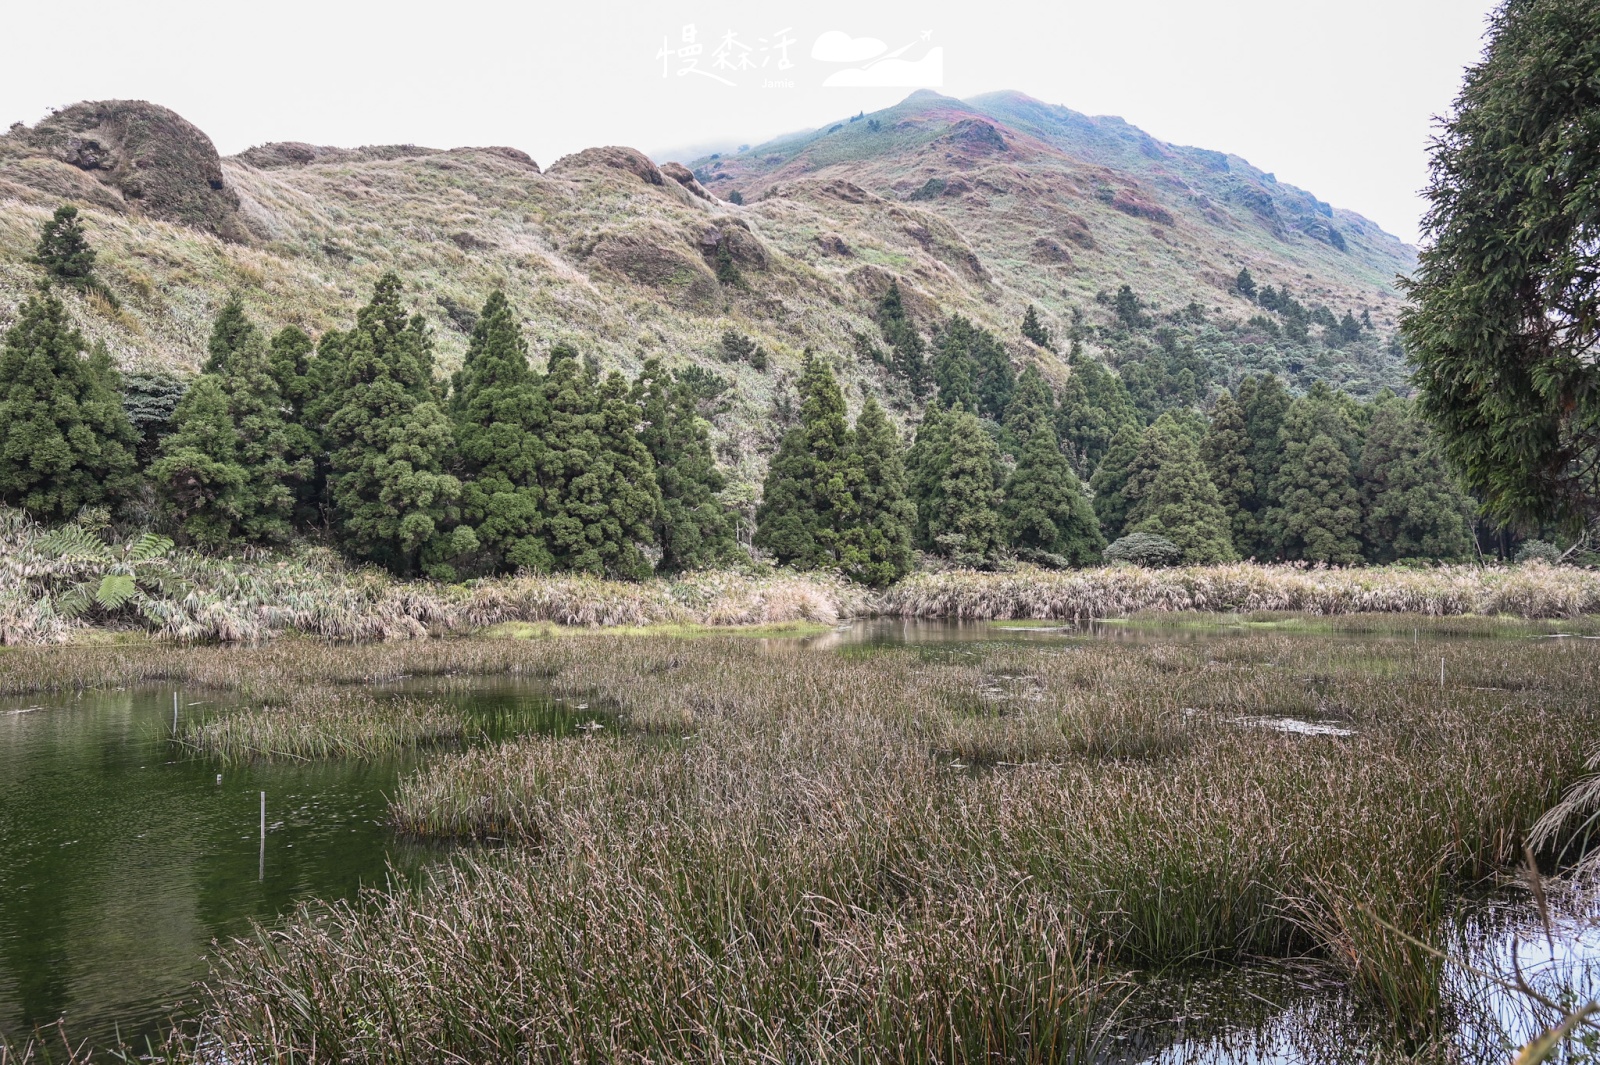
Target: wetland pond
[[122, 859]]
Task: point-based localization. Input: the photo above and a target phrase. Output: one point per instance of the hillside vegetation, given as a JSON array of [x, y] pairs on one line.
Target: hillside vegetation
[[979, 209]]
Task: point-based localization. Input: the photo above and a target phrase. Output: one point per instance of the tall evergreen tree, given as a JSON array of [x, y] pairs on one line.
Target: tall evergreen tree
[[967, 527], [1265, 403], [1095, 406], [65, 440], [971, 368], [64, 253], [806, 502], [1111, 479], [907, 349], [1032, 400], [1410, 508], [693, 528], [501, 418], [1174, 497], [1318, 516], [877, 548], [954, 371], [230, 468], [231, 329], [926, 463], [388, 443], [1504, 317], [1045, 507], [1034, 329], [1227, 455], [601, 497]]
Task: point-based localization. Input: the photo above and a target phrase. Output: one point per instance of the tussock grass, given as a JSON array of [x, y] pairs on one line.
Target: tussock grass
[[322, 722], [925, 858]]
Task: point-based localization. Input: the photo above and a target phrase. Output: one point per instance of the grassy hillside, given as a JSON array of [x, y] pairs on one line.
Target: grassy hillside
[[979, 208]]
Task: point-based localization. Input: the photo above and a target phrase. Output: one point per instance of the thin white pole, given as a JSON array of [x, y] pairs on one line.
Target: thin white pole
[[261, 870], [1441, 673], [174, 713]]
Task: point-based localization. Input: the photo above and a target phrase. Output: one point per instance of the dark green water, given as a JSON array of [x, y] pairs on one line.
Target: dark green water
[[121, 860]]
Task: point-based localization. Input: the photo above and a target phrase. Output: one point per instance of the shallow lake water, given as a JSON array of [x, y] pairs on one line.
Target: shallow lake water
[[122, 860]]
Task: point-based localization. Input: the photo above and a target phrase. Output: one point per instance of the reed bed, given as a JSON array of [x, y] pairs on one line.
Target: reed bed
[[1529, 590], [323, 723], [952, 854]]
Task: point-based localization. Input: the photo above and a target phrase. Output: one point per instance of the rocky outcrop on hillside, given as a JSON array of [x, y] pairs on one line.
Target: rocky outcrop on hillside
[[129, 156]]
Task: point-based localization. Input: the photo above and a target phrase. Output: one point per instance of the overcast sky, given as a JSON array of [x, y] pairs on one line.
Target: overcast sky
[[1336, 97]]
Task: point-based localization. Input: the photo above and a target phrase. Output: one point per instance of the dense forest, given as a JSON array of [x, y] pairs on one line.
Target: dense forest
[[354, 439]]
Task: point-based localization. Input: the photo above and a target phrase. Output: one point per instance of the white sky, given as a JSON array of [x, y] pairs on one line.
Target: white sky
[[1335, 96]]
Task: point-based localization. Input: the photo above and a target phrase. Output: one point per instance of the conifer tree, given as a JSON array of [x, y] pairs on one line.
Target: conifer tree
[[198, 471], [954, 371], [1245, 285], [1045, 507], [1035, 331], [926, 463], [290, 358], [967, 527], [1265, 403], [501, 418], [64, 252], [877, 547], [1095, 406], [1032, 400], [1226, 452], [601, 497], [228, 470], [693, 528], [1410, 507], [1318, 516], [65, 439], [806, 502], [388, 443], [1110, 481], [907, 349], [229, 332], [1175, 499], [971, 367]]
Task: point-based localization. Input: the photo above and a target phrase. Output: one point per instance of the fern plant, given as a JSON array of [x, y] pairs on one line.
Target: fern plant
[[109, 577]]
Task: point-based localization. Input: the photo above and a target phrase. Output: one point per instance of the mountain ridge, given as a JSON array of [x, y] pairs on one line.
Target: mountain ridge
[[975, 210]]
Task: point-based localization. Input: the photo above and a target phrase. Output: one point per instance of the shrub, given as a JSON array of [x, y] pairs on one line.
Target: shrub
[[1144, 549], [1539, 551]]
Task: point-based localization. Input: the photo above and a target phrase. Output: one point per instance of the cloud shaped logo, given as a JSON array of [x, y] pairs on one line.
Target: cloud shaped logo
[[837, 47], [891, 72]]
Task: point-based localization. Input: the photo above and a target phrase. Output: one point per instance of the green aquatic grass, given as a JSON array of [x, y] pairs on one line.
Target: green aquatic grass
[[522, 630], [326, 723]]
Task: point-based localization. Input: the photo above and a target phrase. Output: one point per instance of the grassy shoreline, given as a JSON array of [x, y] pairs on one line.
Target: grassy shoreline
[[267, 597]]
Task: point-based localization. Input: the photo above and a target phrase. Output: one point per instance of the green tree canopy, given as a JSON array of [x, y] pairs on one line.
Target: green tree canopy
[[601, 498], [1504, 325], [1095, 406], [966, 527], [693, 528], [1227, 456], [1045, 507], [1410, 507], [877, 549], [1110, 482], [388, 442], [64, 252], [65, 439], [806, 502], [1173, 496], [229, 331], [1035, 330], [501, 417]]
